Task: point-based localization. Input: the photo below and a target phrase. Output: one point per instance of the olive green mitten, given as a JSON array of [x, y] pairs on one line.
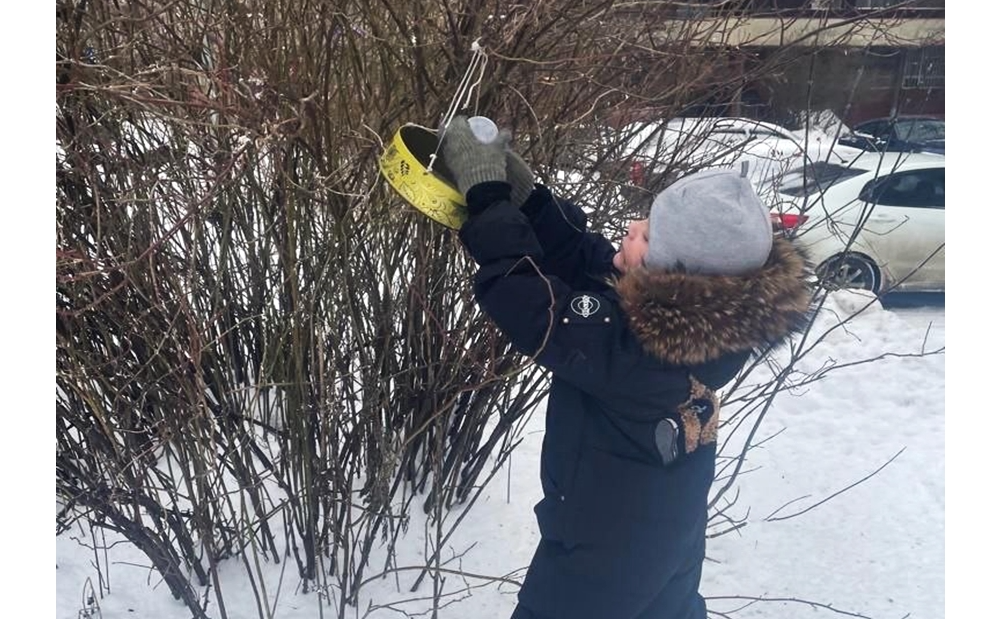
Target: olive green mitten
[[471, 161], [520, 177]]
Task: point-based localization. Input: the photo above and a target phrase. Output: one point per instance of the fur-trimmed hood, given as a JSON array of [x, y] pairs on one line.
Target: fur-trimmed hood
[[690, 319]]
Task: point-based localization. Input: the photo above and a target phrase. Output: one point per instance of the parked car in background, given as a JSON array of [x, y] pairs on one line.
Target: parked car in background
[[876, 224], [901, 134], [656, 154]]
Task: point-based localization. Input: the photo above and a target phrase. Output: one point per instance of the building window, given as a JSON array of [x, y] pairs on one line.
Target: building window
[[924, 68]]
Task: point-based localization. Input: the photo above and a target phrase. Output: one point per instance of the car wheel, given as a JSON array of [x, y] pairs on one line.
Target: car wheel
[[850, 271]]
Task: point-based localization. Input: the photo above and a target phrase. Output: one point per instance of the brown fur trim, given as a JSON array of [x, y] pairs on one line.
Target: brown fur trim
[[690, 319]]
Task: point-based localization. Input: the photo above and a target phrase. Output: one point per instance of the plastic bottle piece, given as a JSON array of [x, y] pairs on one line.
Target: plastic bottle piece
[[484, 129]]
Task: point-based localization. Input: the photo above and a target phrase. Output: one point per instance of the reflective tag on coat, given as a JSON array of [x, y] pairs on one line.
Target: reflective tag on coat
[[586, 308]]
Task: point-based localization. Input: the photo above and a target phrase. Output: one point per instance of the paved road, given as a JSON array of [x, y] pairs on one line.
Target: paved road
[[914, 299]]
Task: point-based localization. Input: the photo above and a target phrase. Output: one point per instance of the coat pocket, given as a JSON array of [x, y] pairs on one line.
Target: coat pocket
[[554, 510]]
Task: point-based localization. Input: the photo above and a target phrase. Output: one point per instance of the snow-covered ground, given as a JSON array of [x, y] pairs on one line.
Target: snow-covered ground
[[875, 550]]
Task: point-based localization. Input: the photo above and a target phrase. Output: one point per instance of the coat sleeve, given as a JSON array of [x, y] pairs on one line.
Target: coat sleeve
[[570, 251], [578, 335]]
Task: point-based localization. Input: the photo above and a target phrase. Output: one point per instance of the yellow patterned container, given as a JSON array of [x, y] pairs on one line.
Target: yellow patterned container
[[404, 165]]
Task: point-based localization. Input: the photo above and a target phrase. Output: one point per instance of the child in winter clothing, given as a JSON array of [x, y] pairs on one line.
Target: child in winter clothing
[[637, 341]]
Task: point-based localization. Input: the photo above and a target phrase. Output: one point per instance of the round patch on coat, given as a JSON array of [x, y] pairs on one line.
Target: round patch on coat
[[585, 305]]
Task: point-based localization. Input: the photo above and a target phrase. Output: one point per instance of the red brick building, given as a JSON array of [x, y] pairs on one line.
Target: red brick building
[[860, 59], [874, 58]]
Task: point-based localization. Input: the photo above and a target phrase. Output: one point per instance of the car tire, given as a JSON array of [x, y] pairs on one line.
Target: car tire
[[849, 271]]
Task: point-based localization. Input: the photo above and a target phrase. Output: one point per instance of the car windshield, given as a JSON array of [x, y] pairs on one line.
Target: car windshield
[[815, 177], [921, 130]]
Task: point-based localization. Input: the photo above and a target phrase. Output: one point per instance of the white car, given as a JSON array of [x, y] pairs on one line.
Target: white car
[[874, 224], [657, 154]]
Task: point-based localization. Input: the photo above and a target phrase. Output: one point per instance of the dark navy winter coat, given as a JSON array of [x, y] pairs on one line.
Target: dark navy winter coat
[[622, 533]]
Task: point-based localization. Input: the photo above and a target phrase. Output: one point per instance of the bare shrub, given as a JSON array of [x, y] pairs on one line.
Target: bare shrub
[[242, 304]]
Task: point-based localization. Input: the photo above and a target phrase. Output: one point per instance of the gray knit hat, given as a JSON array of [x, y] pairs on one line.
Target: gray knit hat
[[709, 223]]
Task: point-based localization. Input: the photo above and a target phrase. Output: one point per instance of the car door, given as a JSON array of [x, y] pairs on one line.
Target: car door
[[905, 230]]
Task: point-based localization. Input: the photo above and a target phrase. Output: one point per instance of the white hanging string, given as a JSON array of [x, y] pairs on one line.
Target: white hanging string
[[463, 94]]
